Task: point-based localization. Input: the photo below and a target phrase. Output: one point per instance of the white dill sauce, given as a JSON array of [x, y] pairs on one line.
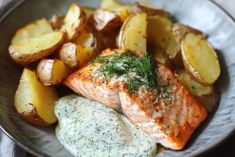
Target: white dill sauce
[[89, 129]]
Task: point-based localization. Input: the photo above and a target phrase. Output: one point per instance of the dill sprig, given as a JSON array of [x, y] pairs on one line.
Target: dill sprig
[[139, 71], [144, 67]]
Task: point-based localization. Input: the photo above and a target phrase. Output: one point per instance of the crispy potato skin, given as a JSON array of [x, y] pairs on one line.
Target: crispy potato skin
[[68, 54], [52, 71], [44, 71], [25, 59], [106, 21]]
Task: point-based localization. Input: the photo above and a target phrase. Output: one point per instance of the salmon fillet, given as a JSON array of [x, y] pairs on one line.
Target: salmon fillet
[[170, 115], [85, 83]]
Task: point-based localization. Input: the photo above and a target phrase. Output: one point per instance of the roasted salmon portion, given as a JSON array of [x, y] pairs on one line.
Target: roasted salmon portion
[[171, 115], [85, 82], [168, 112]]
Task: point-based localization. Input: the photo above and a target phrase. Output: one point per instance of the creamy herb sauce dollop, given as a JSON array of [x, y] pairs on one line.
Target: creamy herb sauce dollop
[[89, 129]]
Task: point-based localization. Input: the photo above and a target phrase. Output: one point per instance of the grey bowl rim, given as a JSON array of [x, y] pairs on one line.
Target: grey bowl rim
[[10, 9]]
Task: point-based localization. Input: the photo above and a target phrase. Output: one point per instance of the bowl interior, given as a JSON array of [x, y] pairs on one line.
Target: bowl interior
[[200, 14]]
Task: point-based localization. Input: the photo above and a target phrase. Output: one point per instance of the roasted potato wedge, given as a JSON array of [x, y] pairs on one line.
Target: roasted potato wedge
[[200, 59], [76, 55], [139, 8], [205, 94], [56, 21], [180, 31], [159, 33], [106, 21], [32, 30], [73, 22], [33, 49], [52, 71], [122, 10], [133, 34], [35, 102]]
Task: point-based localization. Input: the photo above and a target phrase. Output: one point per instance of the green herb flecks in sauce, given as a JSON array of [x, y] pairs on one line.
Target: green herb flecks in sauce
[[139, 71], [89, 129]]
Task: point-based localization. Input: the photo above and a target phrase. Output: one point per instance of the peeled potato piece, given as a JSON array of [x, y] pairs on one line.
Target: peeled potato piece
[[106, 20], [133, 34], [32, 30], [138, 8], [33, 49], [52, 71], [200, 59], [35, 102], [73, 22], [205, 94], [160, 33], [76, 55]]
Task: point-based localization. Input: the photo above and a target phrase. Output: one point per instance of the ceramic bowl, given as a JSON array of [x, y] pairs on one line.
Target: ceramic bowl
[[201, 14]]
